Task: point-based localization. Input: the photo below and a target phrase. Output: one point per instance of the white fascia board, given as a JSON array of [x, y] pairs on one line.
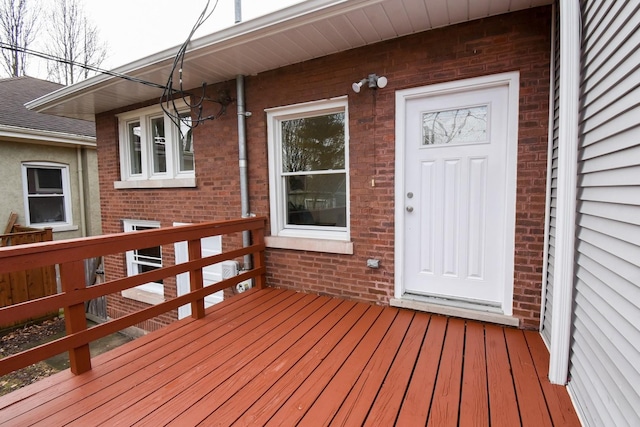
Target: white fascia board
[[263, 26], [46, 137]]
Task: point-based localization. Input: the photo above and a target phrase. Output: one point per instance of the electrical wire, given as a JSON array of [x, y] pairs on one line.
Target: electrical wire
[[49, 57], [169, 95]]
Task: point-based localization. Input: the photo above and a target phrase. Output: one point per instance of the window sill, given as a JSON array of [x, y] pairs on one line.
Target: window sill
[[313, 245], [155, 183], [143, 296]]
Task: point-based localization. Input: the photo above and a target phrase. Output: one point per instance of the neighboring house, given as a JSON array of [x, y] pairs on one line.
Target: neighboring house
[[492, 173], [48, 164]]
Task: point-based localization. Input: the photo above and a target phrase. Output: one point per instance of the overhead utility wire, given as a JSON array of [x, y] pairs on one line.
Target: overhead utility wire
[[168, 95], [167, 100], [49, 57]]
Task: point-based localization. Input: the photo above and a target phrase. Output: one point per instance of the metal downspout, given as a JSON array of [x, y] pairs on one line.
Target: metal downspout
[[83, 215], [242, 162]]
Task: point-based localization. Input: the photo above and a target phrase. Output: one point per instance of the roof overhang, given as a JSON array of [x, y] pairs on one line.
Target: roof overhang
[[42, 137], [304, 31]]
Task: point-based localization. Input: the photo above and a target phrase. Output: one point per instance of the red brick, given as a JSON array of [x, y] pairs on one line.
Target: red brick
[[492, 45]]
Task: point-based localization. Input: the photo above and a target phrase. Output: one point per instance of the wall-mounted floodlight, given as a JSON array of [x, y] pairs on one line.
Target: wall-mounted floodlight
[[373, 80]]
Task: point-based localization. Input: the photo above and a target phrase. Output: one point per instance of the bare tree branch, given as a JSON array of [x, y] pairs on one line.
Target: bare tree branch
[[73, 38], [18, 28]]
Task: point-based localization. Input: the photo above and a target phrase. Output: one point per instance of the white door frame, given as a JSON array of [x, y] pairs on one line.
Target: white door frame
[[512, 81]]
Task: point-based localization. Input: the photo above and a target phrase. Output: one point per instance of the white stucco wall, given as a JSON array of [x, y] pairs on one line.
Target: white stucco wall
[[13, 154]]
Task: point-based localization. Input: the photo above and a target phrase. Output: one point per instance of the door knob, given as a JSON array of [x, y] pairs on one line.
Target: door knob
[[409, 208]]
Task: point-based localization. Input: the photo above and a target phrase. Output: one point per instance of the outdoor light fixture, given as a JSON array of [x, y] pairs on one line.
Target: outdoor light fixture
[[373, 80]]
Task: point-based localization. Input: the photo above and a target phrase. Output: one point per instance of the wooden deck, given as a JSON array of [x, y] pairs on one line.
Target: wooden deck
[[274, 357]]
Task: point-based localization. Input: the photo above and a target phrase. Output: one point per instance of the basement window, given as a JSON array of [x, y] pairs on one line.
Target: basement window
[[141, 261], [308, 170], [154, 151]]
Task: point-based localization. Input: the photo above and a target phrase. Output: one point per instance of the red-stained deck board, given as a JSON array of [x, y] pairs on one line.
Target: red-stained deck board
[[502, 396], [557, 398], [300, 387], [446, 402], [474, 402], [531, 402], [417, 402], [123, 368], [150, 374], [335, 377], [275, 357], [282, 376], [214, 364], [387, 404], [357, 404], [276, 353]]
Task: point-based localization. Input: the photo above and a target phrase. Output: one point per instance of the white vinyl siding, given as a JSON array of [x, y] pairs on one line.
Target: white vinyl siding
[[605, 347]]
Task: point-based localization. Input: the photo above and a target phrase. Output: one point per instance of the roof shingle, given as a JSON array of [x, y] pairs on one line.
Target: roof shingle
[[16, 91]]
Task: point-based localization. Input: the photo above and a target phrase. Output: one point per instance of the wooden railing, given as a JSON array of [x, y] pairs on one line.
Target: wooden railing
[[69, 254]]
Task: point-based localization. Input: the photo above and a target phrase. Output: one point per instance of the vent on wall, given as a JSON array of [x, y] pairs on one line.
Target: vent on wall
[[231, 269]]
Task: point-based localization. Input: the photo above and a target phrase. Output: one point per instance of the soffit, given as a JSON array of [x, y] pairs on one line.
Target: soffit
[[305, 31]]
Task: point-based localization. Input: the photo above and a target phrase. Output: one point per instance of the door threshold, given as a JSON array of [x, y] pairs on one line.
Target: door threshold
[[415, 302]]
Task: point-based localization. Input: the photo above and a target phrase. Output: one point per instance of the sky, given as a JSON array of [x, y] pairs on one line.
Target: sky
[[134, 29]]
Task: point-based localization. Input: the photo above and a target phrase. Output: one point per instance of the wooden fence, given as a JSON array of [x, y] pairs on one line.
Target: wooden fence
[[31, 284]]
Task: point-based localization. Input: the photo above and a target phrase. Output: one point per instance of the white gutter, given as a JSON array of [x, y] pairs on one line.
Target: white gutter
[[570, 28], [46, 137]]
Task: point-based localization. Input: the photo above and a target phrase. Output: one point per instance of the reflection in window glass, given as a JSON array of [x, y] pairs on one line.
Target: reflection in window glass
[[135, 149], [317, 200], [313, 143], [463, 125], [159, 147], [313, 169], [185, 146]]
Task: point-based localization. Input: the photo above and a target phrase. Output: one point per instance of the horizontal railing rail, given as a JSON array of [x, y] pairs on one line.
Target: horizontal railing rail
[[70, 255]]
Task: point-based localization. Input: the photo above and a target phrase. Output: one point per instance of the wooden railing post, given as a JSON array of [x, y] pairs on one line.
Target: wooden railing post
[[258, 258], [196, 279], [72, 278]]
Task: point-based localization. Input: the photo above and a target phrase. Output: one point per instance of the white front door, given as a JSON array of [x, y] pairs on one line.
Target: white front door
[[456, 194], [211, 274]]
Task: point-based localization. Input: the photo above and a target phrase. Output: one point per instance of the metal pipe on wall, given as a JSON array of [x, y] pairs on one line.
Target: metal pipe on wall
[[81, 194], [242, 162]]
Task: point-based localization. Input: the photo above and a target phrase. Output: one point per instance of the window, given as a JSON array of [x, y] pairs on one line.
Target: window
[[154, 151], [308, 170], [463, 125], [47, 196], [142, 261]]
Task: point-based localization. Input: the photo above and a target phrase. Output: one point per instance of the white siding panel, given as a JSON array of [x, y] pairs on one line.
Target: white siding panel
[[611, 144], [605, 347]]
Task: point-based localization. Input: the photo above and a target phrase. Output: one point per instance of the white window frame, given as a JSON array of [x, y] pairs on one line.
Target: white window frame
[[151, 293], [173, 177], [283, 235], [67, 224]]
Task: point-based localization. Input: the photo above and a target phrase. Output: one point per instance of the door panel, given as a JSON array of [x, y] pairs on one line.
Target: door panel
[[457, 191]]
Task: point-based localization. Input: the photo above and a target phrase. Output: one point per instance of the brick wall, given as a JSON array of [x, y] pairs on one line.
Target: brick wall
[[519, 41]]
